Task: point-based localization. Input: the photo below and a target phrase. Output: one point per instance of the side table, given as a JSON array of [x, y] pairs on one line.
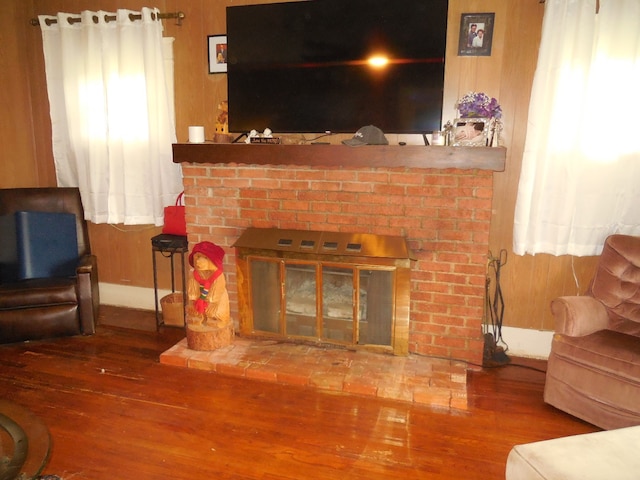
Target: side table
[[168, 246]]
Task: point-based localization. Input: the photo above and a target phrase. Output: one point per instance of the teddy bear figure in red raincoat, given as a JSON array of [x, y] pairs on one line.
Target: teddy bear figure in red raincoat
[[207, 289]]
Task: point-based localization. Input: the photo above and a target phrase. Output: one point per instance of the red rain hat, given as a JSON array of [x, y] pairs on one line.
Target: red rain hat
[[210, 250]]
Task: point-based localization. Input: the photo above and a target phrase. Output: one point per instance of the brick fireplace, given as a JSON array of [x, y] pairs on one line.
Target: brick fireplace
[[437, 198]]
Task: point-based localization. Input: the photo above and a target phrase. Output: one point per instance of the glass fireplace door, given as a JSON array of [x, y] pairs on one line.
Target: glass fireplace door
[[301, 299], [333, 303], [375, 317], [266, 295], [338, 304]]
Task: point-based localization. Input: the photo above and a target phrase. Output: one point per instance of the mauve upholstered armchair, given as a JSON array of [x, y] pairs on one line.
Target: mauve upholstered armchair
[[59, 305], [593, 371]]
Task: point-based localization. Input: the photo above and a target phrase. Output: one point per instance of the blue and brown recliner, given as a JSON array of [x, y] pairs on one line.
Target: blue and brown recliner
[[39, 306]]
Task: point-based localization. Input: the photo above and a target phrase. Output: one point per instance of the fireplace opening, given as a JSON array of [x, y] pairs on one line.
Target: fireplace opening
[[325, 287]]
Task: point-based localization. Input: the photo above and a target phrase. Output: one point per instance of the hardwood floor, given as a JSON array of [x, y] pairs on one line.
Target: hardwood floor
[[114, 412]]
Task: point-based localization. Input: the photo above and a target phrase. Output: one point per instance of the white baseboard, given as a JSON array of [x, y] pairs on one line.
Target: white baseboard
[[524, 342], [128, 296]]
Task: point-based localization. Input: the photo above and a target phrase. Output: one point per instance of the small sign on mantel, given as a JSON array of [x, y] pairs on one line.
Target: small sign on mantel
[[270, 140]]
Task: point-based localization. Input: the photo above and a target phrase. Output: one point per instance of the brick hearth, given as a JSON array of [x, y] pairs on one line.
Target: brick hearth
[[429, 381], [443, 212]]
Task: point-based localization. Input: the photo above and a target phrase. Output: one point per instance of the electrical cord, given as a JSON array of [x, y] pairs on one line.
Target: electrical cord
[[240, 137], [519, 365], [436, 357], [327, 133], [473, 364]]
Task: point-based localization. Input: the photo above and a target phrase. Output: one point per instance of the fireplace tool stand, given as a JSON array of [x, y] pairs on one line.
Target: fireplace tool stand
[[494, 354]]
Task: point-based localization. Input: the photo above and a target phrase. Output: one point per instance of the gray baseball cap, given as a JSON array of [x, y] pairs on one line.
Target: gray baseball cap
[[368, 135]]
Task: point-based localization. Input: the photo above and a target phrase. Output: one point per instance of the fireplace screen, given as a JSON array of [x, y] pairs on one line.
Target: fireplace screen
[[335, 307], [335, 299]]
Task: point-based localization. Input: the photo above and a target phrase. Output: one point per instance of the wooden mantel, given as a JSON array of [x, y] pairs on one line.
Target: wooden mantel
[[390, 156]]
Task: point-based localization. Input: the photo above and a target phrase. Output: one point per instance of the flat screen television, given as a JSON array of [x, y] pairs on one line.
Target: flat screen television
[[303, 66]]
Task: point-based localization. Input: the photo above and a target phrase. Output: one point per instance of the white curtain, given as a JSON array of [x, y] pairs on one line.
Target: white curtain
[[110, 86], [580, 178]]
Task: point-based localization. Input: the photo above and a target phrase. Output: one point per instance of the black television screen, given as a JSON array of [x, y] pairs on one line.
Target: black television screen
[[303, 66]]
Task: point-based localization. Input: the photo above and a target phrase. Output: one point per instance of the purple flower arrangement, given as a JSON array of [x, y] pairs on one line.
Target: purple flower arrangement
[[479, 105]]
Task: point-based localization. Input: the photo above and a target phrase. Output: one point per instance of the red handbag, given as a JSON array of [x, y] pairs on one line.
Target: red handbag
[[175, 222]]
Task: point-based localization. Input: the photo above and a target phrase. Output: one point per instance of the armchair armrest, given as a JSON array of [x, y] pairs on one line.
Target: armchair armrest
[[578, 316], [86, 264], [88, 293]]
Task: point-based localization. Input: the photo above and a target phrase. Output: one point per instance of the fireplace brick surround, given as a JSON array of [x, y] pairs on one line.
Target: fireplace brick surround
[[444, 213]]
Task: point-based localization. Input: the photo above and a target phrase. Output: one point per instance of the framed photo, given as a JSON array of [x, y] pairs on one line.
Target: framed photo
[[476, 34], [217, 53], [471, 132]]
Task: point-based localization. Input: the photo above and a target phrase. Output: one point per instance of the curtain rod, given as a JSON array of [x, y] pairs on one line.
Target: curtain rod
[[179, 16]]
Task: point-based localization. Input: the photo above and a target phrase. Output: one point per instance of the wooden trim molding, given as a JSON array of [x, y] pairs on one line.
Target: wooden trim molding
[[372, 156]]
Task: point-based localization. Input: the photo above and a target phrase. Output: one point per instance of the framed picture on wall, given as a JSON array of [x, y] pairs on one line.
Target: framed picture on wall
[[476, 34], [217, 53]]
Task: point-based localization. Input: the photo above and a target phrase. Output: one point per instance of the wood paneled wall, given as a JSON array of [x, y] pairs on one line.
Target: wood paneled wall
[[529, 283], [18, 165]]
